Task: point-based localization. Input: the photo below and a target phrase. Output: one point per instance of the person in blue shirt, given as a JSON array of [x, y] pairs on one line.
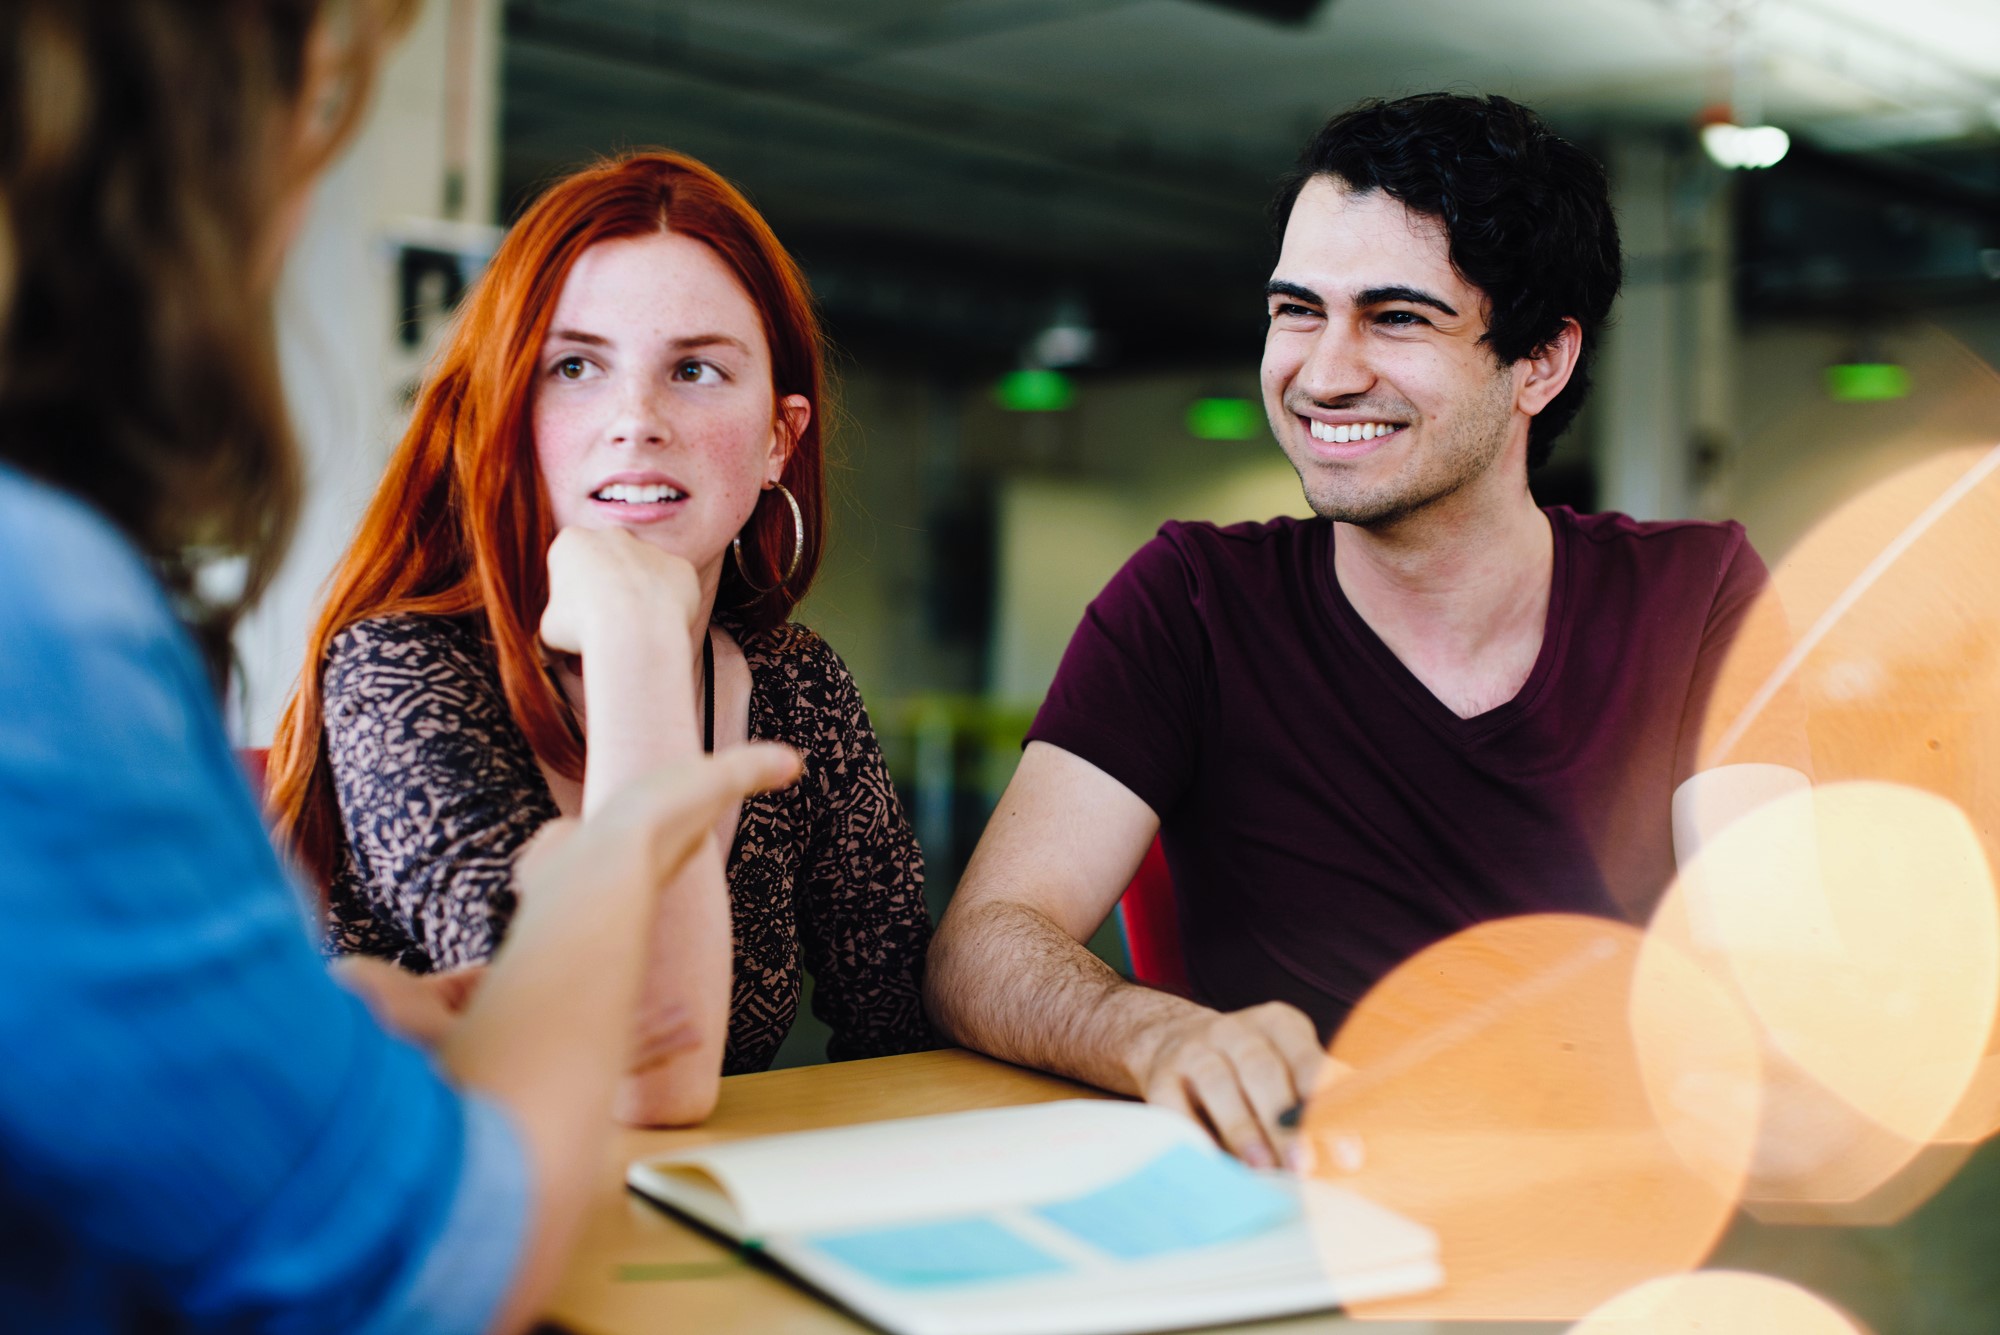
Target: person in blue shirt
[[200, 1130]]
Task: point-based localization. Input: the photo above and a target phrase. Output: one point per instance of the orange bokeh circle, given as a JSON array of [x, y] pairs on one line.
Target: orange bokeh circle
[[1500, 1097], [1858, 925], [1880, 640], [1717, 1302]]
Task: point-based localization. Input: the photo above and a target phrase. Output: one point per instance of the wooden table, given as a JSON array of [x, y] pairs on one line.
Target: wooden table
[[638, 1269]]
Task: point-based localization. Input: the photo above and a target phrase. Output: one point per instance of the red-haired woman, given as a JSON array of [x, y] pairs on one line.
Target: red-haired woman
[[609, 500]]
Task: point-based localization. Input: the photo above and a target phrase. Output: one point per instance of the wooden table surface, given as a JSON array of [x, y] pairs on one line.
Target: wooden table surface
[[638, 1269]]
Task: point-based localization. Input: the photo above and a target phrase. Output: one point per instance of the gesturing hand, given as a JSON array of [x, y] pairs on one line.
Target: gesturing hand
[[605, 577], [1239, 1072], [651, 826], [420, 1007]]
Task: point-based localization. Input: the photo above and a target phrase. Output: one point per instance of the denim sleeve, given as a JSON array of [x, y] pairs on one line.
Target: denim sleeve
[[191, 1103], [474, 1257]]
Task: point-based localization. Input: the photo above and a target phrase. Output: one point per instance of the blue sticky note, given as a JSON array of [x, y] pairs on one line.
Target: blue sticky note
[[1185, 1198], [954, 1251]]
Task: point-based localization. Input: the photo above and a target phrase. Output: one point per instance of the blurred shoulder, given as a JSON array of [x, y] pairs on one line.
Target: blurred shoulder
[[69, 571], [99, 680]]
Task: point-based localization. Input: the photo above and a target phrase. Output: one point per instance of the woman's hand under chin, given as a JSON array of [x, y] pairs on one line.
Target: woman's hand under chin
[[602, 579]]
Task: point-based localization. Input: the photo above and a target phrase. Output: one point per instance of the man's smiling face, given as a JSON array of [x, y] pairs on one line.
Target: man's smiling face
[[1375, 380]]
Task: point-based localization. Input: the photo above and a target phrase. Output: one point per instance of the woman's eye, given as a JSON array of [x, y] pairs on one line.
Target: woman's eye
[[571, 368], [696, 373]]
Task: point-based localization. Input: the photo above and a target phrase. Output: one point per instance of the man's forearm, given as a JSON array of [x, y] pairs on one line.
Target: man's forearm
[[1010, 982]]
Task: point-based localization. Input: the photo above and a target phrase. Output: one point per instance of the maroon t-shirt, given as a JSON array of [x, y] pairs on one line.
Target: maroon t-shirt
[[1324, 815]]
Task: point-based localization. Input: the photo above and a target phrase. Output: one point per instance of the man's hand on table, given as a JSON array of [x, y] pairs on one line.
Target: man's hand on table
[[1238, 1072]]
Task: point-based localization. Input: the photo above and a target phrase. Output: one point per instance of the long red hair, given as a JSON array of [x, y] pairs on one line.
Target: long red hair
[[461, 525]]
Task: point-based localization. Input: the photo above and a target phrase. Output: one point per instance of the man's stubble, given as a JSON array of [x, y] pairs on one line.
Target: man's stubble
[[1449, 462]]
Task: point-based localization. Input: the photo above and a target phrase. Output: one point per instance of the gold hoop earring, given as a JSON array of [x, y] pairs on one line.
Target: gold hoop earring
[[798, 544]]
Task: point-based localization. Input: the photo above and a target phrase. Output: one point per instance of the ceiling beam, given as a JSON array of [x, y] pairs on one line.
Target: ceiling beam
[[1119, 157]]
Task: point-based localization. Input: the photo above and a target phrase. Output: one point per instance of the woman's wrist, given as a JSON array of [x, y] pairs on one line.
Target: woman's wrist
[[661, 641], [638, 682]]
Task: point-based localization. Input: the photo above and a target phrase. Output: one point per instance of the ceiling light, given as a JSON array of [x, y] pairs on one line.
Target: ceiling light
[[1733, 132], [1220, 418], [1036, 390], [1867, 382], [1063, 345], [1741, 147], [1067, 340]]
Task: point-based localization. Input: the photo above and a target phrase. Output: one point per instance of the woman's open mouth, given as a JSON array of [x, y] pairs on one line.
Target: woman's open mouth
[[636, 493], [637, 502]]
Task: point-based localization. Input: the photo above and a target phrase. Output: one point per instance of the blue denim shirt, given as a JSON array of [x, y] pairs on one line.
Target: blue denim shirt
[[199, 1130]]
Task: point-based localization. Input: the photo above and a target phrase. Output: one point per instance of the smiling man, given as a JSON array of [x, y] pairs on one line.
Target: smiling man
[[1433, 705]]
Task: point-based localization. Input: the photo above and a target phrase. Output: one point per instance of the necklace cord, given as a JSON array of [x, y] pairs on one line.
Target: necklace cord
[[708, 692]]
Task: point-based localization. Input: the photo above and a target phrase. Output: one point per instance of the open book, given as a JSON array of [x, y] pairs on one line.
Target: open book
[[1083, 1217]]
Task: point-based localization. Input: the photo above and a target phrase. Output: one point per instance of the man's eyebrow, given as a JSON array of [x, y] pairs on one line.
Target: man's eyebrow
[[1415, 296], [1278, 287]]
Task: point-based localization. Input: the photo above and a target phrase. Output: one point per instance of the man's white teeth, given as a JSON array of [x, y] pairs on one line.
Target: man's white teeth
[[1341, 435], [636, 494]]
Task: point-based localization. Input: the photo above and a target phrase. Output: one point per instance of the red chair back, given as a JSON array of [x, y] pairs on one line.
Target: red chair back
[[1152, 926], [255, 762]]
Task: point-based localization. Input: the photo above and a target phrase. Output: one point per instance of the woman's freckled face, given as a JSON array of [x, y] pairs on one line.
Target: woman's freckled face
[[653, 406]]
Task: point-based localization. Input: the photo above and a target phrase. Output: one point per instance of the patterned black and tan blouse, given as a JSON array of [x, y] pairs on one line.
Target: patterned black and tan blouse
[[439, 789]]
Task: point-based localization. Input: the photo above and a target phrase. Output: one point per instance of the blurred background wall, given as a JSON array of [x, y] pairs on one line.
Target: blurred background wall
[[1038, 231]]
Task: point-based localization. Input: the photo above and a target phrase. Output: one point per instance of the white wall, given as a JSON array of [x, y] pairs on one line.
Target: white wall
[[344, 371], [1802, 454], [1115, 467], [1076, 494], [1665, 394]]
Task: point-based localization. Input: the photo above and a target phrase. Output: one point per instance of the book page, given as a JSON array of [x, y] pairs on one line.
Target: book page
[[1188, 1239], [931, 1167], [1183, 1200]]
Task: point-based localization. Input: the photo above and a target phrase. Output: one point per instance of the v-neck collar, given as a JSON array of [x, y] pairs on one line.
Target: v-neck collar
[[1437, 715]]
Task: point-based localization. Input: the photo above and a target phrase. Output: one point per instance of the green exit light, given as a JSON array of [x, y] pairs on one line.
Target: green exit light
[[1225, 419], [1035, 392], [1867, 382]]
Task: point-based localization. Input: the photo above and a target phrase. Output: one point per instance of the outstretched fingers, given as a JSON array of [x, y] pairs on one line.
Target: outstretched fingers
[[679, 804]]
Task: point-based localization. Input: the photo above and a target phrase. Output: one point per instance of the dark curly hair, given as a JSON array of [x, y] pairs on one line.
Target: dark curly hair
[[1528, 216]]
